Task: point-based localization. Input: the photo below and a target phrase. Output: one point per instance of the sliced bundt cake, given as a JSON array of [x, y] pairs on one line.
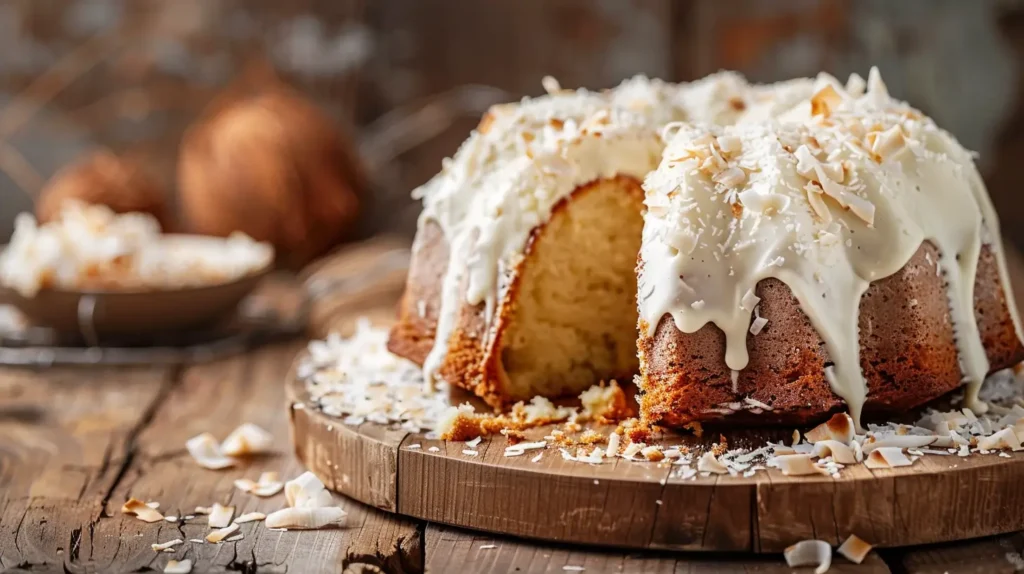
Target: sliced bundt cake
[[523, 274]]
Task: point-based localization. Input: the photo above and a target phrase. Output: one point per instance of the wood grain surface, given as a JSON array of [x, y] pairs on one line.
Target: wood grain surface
[[75, 442]]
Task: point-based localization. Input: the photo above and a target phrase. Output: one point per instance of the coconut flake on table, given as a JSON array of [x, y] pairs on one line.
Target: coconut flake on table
[[267, 485], [249, 517], [220, 516], [178, 567], [167, 546], [307, 491], [306, 518], [91, 247], [219, 535], [817, 553], [245, 440], [142, 510], [205, 450]]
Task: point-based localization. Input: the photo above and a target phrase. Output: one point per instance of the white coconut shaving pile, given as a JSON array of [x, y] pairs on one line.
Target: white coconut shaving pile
[[358, 379], [91, 247]]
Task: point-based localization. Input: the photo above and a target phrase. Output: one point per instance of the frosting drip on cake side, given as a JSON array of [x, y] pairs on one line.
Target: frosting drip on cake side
[[505, 179], [836, 193]]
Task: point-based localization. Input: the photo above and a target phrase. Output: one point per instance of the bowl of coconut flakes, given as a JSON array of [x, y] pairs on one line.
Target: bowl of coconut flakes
[[97, 273]]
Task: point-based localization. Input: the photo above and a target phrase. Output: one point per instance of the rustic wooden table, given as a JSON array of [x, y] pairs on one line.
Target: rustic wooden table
[[75, 443]]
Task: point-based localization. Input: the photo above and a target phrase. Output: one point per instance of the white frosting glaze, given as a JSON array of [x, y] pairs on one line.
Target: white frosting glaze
[[505, 179], [839, 191]]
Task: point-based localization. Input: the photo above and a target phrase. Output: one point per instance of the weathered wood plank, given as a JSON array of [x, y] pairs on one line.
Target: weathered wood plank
[[67, 437], [454, 550], [216, 398], [994, 555]]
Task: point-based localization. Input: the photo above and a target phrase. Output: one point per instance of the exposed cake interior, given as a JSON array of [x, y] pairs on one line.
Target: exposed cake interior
[[573, 321]]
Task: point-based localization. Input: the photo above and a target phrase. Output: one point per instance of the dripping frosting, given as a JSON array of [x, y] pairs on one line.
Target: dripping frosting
[[525, 157], [835, 192]]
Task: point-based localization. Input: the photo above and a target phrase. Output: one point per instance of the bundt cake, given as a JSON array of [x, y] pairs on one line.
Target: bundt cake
[[523, 274], [783, 225]]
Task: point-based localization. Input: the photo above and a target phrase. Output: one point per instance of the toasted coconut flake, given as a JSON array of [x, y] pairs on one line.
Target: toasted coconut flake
[[250, 517], [178, 567], [235, 538], [1004, 439], [897, 441], [839, 427], [203, 509], [221, 515], [730, 177], [797, 465], [613, 445], [306, 518], [709, 463], [839, 452], [247, 439], [861, 207], [854, 549], [166, 546], [307, 491], [206, 452], [887, 457], [221, 534], [825, 101], [267, 485], [816, 553], [141, 510]]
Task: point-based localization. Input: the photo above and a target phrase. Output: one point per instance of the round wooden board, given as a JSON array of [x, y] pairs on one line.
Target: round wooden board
[[639, 505]]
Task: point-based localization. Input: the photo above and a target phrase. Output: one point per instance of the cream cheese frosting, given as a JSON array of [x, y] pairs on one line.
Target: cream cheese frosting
[[506, 178], [837, 191]]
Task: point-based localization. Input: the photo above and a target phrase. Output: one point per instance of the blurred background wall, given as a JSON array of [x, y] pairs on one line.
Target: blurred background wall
[[131, 75]]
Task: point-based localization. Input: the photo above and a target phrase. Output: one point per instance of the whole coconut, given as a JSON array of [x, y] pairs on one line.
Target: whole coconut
[[275, 167], [103, 178]]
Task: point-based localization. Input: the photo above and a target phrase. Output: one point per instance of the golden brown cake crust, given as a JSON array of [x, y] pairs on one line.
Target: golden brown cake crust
[[908, 354]]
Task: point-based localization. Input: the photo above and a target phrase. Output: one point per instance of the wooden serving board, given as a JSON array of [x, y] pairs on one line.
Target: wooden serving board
[[637, 505], [641, 505]]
